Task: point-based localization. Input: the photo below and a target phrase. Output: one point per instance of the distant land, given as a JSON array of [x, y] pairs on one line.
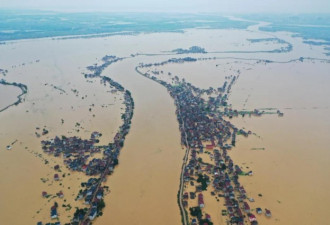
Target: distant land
[[306, 26], [17, 25]]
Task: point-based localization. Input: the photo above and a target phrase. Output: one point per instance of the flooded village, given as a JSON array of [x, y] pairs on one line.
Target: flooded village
[[79, 156], [202, 148], [207, 137]]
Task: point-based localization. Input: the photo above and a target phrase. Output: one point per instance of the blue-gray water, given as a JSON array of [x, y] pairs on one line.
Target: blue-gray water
[[16, 25]]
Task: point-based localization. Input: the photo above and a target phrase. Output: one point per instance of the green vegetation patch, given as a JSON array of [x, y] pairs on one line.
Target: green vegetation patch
[[203, 180]]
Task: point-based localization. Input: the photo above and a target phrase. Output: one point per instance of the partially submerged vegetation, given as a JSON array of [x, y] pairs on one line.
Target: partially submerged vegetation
[[287, 48], [20, 98], [193, 49]]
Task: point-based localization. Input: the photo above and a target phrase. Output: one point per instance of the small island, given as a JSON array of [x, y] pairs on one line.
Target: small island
[[193, 49]]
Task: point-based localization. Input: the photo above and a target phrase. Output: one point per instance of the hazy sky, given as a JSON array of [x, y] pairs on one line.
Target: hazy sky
[[226, 6]]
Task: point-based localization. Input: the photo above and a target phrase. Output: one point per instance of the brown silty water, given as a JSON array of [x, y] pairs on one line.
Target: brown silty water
[[291, 174]]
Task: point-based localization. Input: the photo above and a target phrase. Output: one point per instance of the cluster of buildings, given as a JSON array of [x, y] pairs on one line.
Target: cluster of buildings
[[97, 70], [206, 133], [78, 155], [92, 195]]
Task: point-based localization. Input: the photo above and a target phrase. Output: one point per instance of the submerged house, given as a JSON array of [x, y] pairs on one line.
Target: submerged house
[[53, 212], [201, 200], [60, 194], [210, 147], [259, 210], [99, 194], [56, 177], [185, 195], [246, 207], [93, 214], [252, 217]]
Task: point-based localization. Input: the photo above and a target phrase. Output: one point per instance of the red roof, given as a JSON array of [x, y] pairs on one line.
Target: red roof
[[209, 146], [252, 217], [239, 212], [200, 199], [200, 196], [246, 206], [268, 213]]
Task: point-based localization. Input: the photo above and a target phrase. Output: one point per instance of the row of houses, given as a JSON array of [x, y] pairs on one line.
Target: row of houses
[[78, 154], [204, 130], [93, 193]]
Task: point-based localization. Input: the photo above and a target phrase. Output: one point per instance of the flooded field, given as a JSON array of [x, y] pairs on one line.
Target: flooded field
[[291, 172]]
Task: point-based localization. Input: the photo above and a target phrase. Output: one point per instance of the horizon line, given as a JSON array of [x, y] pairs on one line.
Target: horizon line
[[155, 11]]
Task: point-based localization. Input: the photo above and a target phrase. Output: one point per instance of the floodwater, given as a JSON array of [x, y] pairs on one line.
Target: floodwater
[[8, 95], [145, 185], [291, 174], [56, 90]]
